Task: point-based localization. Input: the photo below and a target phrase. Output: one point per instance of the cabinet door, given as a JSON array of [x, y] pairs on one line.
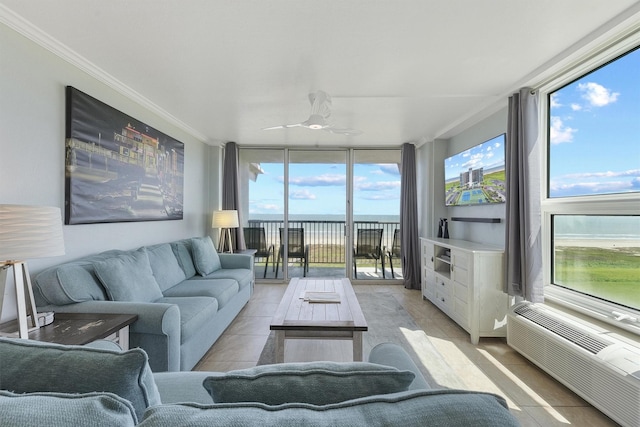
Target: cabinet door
[[428, 275]]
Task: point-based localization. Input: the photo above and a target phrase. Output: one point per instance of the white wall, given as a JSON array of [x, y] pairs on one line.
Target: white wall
[[431, 176], [32, 132]]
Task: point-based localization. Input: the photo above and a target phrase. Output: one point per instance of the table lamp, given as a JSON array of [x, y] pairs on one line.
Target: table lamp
[[225, 219], [27, 232]]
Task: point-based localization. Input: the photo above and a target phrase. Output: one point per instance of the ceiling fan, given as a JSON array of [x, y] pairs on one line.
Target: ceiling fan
[[320, 112]]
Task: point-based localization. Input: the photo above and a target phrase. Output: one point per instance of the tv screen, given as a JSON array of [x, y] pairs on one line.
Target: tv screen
[[476, 176]]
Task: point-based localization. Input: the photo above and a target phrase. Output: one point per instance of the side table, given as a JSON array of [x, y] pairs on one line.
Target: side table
[[81, 328]]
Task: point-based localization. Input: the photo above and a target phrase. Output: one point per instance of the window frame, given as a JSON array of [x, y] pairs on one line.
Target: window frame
[[603, 204]]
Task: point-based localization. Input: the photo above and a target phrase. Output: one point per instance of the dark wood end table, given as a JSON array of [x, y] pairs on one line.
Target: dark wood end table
[[81, 328]]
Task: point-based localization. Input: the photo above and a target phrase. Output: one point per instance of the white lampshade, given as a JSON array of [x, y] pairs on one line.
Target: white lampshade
[[225, 219], [30, 232]]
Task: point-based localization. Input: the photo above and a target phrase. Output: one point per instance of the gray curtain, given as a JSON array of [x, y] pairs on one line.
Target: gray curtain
[[230, 191], [410, 244], [523, 245]]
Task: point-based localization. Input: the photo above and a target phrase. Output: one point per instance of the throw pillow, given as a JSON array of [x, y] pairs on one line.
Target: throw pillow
[[165, 266], [182, 250], [33, 366], [60, 409], [205, 257], [317, 383], [128, 277]]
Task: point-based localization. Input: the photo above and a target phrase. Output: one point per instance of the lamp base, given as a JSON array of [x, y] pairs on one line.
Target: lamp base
[[25, 303]]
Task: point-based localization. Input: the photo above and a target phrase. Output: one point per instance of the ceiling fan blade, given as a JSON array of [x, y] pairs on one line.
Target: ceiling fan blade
[[320, 104], [283, 126], [343, 131]]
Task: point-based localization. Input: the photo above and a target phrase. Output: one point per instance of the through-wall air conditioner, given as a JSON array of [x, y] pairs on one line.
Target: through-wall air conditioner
[[600, 368]]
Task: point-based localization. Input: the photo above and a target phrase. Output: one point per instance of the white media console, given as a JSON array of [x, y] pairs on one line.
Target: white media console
[[465, 280]]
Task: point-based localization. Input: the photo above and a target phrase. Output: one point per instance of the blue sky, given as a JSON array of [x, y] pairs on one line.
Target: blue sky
[[595, 132], [489, 154], [320, 189]]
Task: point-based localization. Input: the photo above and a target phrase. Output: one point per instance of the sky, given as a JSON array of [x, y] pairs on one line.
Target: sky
[[489, 154], [595, 132], [320, 189]]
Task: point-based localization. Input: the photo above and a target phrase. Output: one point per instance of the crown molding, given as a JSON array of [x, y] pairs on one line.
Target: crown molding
[[35, 34]]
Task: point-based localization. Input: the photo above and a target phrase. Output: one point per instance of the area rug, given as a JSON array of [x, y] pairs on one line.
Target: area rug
[[388, 321]]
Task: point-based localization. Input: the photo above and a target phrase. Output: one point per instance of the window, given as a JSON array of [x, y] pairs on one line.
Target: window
[[592, 205]]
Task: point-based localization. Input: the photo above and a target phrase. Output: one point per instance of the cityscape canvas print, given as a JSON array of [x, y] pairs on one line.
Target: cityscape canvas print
[[118, 169]]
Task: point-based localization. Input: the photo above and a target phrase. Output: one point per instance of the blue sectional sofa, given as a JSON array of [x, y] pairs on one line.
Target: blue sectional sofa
[[184, 293], [64, 385]]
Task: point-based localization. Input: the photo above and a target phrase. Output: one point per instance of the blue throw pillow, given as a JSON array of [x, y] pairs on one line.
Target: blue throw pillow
[[205, 257], [33, 366], [128, 277], [61, 409], [317, 383], [165, 266]]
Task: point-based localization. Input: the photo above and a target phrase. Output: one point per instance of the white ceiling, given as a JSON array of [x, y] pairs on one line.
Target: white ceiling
[[404, 70]]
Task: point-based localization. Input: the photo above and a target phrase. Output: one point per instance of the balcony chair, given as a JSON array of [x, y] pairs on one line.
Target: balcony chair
[[394, 252], [255, 238], [368, 246], [297, 249]]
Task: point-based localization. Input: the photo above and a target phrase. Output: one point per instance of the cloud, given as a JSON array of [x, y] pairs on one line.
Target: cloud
[[303, 194], [576, 107], [326, 180], [595, 183], [589, 188], [559, 133], [377, 186], [390, 169], [555, 103], [377, 196], [262, 207], [606, 174], [597, 95]]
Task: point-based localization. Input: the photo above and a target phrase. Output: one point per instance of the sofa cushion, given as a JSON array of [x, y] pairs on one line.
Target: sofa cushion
[[128, 277], [222, 290], [317, 383], [205, 257], [182, 251], [165, 266], [437, 408], [61, 409], [243, 276], [195, 314], [33, 366], [67, 284]]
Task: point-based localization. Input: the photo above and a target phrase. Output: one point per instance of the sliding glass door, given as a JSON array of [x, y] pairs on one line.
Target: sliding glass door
[[322, 213]]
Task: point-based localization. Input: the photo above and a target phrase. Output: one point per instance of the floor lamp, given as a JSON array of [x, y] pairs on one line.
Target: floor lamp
[[26, 232], [225, 219]]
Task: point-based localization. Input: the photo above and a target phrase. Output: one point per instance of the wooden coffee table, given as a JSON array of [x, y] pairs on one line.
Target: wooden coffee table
[[296, 318]]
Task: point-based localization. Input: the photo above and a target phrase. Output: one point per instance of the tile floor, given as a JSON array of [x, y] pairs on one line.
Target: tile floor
[[534, 397]]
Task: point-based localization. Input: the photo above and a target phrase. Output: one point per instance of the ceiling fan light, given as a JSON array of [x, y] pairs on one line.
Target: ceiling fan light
[[316, 122]]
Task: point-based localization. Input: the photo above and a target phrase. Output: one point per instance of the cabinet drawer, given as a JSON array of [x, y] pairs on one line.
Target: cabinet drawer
[[443, 286], [442, 300]]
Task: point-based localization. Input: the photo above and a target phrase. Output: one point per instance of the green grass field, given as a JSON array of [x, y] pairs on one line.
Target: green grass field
[[611, 274]]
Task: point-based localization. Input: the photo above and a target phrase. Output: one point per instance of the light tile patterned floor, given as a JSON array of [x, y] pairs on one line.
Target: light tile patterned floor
[[534, 397]]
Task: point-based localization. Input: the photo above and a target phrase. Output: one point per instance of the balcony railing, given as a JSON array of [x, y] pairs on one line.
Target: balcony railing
[[326, 239]]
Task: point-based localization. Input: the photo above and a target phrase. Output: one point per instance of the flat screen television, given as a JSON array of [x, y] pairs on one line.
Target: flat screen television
[[476, 176]]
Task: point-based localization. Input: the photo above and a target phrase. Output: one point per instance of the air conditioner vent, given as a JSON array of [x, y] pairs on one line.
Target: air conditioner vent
[[590, 343]]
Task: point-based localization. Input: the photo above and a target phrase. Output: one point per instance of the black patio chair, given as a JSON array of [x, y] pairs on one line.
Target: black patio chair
[[297, 249], [394, 252], [368, 246], [255, 238]]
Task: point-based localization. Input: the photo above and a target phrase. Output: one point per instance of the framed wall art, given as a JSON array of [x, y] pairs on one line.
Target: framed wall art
[[118, 169]]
